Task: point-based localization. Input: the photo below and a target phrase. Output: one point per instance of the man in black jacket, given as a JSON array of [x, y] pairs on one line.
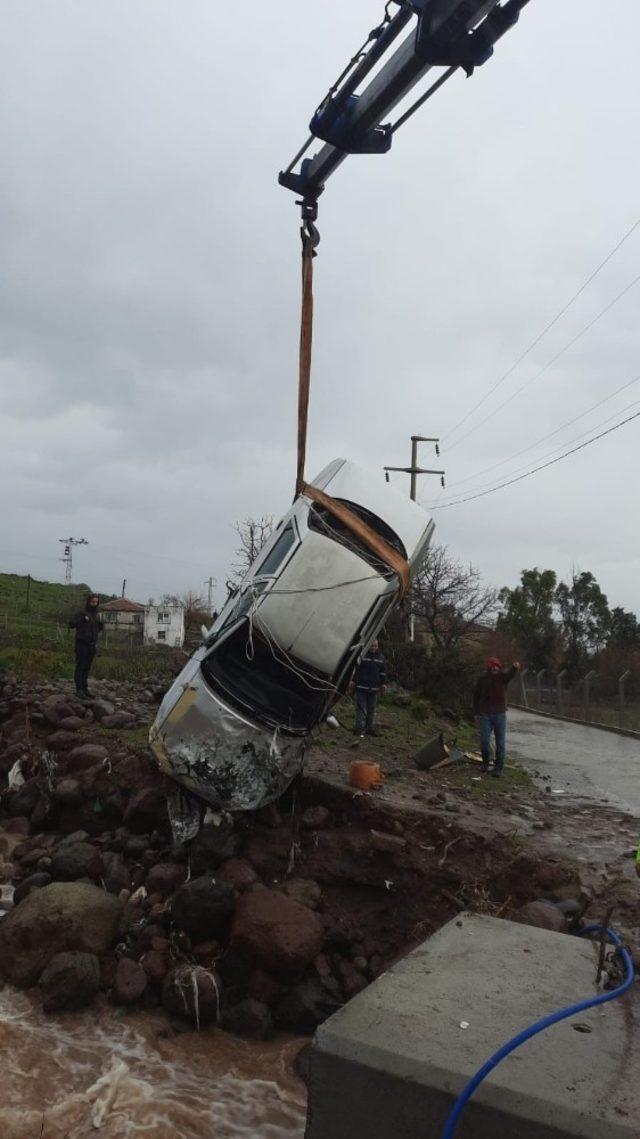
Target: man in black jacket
[[490, 710], [87, 624], [368, 681]]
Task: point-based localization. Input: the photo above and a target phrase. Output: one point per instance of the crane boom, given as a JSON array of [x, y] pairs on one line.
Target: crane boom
[[445, 33]]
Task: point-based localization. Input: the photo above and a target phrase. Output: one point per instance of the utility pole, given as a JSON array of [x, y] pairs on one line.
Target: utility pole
[[124, 586], [414, 470], [28, 590], [210, 584], [68, 544]]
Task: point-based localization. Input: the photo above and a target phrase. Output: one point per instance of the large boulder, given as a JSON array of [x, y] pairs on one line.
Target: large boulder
[[70, 981], [202, 907], [61, 741], [275, 931], [63, 916], [192, 993], [118, 720], [249, 1018], [79, 860], [102, 708], [310, 1000], [164, 878]]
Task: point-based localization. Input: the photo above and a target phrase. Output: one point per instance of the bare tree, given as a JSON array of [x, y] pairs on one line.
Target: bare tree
[[253, 533], [194, 605], [451, 598]]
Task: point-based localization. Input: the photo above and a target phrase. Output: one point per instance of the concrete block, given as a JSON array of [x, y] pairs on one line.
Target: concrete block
[[390, 1064]]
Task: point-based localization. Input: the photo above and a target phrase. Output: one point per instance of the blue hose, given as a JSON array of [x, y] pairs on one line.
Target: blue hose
[[539, 1026]]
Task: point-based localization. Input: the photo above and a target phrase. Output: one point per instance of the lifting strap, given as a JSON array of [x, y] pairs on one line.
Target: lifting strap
[[361, 530]]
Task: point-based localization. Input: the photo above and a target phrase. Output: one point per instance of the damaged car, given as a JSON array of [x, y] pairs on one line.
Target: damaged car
[[233, 727]]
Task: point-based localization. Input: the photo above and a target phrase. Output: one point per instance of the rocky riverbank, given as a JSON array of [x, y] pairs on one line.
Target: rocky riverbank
[[261, 923]]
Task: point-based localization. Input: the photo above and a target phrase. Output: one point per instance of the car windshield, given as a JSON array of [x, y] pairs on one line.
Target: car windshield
[[248, 673]]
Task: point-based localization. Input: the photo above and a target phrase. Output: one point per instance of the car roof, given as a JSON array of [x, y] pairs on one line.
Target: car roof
[[346, 480]]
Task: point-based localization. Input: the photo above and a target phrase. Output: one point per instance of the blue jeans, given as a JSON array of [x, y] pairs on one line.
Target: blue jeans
[[366, 699], [496, 723]]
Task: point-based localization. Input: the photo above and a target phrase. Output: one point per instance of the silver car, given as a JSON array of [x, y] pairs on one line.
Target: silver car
[[233, 726]]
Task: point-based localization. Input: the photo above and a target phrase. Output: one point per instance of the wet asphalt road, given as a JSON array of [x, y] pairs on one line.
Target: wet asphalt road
[[583, 761]]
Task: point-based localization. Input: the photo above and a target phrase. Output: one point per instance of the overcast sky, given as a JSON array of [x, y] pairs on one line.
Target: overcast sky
[[149, 293]]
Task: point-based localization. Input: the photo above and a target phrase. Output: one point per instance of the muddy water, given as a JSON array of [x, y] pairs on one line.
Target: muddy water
[[113, 1074]]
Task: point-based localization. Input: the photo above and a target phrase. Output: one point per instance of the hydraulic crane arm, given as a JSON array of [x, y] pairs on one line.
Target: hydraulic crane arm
[[440, 33]]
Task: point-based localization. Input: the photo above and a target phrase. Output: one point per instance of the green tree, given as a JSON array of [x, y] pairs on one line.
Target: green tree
[[585, 618], [527, 616], [624, 629]]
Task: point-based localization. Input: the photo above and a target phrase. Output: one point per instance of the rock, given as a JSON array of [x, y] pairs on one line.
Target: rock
[[101, 708], [86, 755], [206, 952], [305, 892], [155, 966], [192, 993], [61, 741], [146, 808], [67, 792], [302, 1063], [202, 907], [551, 875], [544, 915], [70, 981], [33, 882], [249, 1018], [352, 979], [130, 982], [309, 1002], [63, 916], [118, 720], [269, 816], [73, 838], [275, 931], [391, 843], [72, 723], [316, 818], [19, 825], [79, 860], [43, 810], [238, 873], [262, 987], [24, 800], [213, 845], [164, 878], [116, 875]]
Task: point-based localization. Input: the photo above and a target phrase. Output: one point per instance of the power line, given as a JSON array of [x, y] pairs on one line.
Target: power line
[[549, 363], [542, 466], [544, 438], [567, 443], [546, 329]]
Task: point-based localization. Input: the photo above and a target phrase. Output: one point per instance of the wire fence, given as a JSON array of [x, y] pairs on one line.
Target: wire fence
[[595, 699]]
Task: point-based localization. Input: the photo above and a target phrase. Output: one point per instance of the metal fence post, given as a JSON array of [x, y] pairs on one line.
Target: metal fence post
[[559, 679], [539, 676], [587, 692], [523, 686], [621, 683]]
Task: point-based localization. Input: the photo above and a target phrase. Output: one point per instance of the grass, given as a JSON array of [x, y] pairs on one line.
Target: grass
[[134, 738]]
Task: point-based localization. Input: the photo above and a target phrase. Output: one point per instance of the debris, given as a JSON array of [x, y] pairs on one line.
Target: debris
[[432, 754], [464, 1024], [16, 778]]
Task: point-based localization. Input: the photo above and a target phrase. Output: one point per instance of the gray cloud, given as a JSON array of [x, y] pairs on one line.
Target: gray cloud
[[149, 295]]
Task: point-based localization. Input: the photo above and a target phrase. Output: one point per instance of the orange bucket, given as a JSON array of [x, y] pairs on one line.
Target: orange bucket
[[364, 775]]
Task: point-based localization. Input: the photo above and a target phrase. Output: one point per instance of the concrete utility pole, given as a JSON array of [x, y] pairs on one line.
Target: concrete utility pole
[[414, 470], [210, 584], [124, 586], [68, 544]]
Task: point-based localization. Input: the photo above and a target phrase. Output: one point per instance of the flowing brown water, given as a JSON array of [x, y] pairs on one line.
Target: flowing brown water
[[114, 1075]]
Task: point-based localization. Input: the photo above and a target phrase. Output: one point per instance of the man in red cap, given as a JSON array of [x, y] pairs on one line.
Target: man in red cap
[[490, 710]]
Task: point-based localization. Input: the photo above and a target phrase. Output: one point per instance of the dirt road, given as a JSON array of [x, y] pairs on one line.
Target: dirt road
[[581, 761]]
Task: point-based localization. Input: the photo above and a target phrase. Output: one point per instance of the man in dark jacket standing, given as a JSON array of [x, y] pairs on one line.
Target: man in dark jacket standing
[[368, 682], [490, 709], [87, 624]]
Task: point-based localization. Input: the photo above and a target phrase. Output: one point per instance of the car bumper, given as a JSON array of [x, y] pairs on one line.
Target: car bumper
[[211, 750]]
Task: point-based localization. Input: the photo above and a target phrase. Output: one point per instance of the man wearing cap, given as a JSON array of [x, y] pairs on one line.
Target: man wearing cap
[[490, 710]]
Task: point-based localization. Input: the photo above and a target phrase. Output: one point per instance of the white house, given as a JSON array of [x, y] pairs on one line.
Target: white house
[[164, 625]]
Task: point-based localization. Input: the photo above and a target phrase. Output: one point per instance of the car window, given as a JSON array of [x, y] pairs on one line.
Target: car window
[[256, 677], [277, 553]]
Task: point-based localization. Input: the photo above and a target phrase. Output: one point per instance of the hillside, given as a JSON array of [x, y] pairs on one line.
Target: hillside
[[36, 613]]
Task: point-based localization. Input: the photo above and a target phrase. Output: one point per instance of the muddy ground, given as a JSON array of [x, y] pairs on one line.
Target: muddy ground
[[358, 877]]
